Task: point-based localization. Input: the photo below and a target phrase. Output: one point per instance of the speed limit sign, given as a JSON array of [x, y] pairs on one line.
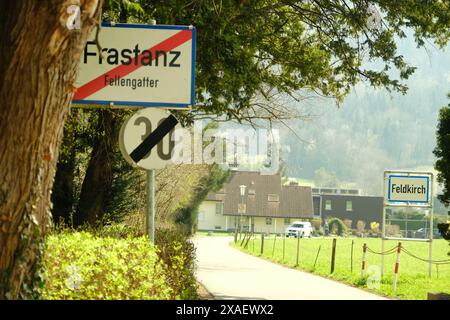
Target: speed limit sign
[[146, 139]]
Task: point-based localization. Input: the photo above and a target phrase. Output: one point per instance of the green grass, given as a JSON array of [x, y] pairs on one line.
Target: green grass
[[413, 281]]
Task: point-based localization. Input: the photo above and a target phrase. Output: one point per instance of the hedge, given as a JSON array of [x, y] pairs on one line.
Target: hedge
[[78, 265]]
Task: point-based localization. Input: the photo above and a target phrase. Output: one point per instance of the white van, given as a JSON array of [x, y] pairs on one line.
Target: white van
[[302, 228]]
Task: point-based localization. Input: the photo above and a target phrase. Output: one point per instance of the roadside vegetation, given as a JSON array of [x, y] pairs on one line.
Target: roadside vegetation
[[315, 257], [113, 263]]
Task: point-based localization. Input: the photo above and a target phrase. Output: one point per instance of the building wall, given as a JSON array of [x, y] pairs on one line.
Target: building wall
[[208, 219], [365, 208], [278, 225]]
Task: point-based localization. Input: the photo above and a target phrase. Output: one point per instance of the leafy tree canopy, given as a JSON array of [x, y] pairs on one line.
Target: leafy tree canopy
[[251, 50]]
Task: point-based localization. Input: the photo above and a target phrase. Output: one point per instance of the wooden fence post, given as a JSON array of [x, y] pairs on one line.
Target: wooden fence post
[[250, 235], [274, 243], [243, 238], [253, 250], [298, 246], [363, 263], [262, 243], [397, 261], [351, 258], [315, 261], [333, 255], [284, 245]]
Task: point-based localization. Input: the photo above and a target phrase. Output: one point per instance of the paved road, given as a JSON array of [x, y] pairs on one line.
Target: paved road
[[230, 274]]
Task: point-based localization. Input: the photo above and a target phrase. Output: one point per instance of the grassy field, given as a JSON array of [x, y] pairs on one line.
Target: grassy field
[[413, 281]]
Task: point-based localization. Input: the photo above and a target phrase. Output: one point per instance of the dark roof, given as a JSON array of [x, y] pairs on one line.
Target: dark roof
[[264, 196], [296, 201]]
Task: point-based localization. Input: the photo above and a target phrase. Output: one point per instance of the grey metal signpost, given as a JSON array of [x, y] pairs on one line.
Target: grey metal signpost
[[144, 131], [151, 201]]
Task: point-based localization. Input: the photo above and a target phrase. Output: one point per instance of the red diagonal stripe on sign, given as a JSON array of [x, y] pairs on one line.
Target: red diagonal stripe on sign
[[99, 83]]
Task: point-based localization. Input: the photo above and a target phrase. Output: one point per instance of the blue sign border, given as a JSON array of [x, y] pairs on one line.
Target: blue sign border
[[152, 104], [405, 201]]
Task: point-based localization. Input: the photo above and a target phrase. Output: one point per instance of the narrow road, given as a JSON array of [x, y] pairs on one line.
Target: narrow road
[[230, 274]]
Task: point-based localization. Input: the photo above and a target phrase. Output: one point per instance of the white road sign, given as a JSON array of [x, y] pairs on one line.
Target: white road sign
[[408, 188], [139, 65], [146, 139]]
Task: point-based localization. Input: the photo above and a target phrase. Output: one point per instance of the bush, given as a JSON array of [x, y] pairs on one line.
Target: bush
[[118, 231], [348, 223], [79, 265], [336, 223], [177, 253], [361, 226], [318, 233], [316, 223], [374, 229]]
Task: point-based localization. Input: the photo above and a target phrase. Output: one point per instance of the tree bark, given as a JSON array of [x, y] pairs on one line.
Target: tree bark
[[97, 183], [39, 58], [63, 192]]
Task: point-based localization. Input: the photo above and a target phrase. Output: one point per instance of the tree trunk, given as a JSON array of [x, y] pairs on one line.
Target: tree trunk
[[39, 59], [97, 183], [63, 193]]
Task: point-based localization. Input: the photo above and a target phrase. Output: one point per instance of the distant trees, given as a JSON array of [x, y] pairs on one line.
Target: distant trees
[[323, 178]]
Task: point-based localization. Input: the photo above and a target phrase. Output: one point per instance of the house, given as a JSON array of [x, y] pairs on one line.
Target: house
[[266, 206], [347, 204]]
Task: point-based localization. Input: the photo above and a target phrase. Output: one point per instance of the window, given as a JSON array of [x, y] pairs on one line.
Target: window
[[268, 221], [287, 221], [349, 205], [219, 207], [327, 204], [201, 216], [273, 198]]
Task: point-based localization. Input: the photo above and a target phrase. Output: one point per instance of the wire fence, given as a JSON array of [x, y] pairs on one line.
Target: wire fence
[[440, 262], [387, 252]]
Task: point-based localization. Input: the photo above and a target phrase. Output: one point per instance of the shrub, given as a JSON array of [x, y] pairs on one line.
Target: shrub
[[316, 223], [374, 229], [177, 253], [374, 226], [348, 223], [336, 225], [118, 231], [361, 226], [79, 265], [318, 233]]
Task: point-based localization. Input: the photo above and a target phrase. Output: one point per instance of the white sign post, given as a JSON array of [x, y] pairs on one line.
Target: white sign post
[[138, 65], [408, 189]]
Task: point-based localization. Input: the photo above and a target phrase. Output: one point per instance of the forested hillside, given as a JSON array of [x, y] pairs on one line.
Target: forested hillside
[[373, 129]]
